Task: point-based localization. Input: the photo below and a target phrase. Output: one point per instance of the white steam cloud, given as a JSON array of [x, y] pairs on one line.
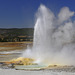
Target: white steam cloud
[[54, 37], [65, 14]]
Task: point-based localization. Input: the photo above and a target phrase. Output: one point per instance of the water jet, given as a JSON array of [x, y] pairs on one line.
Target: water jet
[[54, 38]]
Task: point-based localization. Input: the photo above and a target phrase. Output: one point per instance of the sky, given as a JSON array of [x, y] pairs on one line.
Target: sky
[[21, 13]]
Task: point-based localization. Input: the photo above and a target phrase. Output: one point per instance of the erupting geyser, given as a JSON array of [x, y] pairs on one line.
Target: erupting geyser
[[54, 37]]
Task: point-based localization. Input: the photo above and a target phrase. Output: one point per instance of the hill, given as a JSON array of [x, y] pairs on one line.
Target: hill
[[16, 34]]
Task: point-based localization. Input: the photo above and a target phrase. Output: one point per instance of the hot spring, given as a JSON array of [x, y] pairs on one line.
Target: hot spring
[[54, 37]]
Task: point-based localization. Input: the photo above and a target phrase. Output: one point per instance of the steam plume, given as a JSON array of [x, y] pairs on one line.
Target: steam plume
[[54, 37]]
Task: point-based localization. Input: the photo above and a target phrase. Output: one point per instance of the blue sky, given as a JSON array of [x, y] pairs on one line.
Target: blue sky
[[21, 13]]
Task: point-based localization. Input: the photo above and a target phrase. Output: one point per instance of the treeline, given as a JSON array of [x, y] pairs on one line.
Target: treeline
[[16, 35]]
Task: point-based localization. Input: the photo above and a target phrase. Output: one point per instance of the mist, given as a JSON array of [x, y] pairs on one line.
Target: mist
[[54, 37]]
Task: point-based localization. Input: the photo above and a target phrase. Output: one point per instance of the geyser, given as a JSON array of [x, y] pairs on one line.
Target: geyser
[[54, 37]]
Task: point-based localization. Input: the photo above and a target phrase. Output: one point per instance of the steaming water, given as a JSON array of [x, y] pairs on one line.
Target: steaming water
[[54, 37]]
